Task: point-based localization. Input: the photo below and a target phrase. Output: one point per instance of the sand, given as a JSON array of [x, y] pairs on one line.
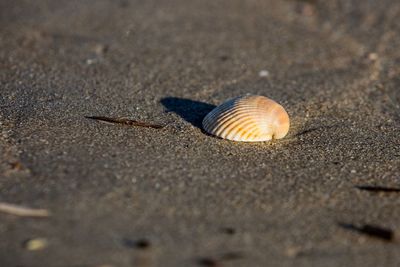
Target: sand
[[133, 196]]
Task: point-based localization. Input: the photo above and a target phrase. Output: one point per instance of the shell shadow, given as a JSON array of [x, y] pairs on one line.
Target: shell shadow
[[189, 110]]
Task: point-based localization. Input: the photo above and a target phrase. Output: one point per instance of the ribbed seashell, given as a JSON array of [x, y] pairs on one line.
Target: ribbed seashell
[[249, 118]]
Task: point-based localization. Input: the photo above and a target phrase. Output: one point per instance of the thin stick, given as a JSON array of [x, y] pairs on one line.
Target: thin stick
[[373, 188], [371, 230], [22, 211], [126, 122]]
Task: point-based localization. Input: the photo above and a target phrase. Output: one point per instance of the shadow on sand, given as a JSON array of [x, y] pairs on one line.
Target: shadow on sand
[[191, 111]]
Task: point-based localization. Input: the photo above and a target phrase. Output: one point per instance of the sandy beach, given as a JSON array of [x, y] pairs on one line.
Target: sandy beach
[[123, 196]]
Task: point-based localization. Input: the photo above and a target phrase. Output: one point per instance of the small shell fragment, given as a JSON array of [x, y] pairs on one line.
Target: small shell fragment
[[23, 211], [249, 118], [263, 73], [35, 244]]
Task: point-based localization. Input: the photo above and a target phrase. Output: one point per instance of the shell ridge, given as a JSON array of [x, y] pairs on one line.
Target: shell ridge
[[240, 129], [231, 125], [229, 117]]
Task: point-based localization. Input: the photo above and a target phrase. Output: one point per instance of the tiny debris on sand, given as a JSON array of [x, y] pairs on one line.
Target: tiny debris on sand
[[100, 49], [217, 261], [373, 56], [378, 189], [16, 165], [23, 211], [209, 262], [228, 230], [263, 73], [138, 244], [374, 231], [293, 251], [35, 244]]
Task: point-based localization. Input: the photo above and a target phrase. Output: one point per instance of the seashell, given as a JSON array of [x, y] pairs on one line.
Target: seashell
[[249, 118]]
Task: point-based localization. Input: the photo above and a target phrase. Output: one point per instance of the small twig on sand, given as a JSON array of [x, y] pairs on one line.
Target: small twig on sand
[[125, 122], [383, 189], [23, 211], [375, 231]]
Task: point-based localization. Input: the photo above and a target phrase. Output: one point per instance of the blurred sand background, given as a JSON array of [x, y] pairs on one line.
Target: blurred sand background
[[131, 196]]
